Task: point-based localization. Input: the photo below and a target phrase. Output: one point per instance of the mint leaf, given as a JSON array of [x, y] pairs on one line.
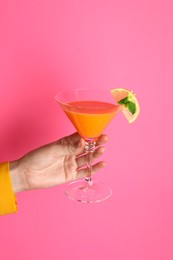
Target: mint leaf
[[124, 100], [131, 106]]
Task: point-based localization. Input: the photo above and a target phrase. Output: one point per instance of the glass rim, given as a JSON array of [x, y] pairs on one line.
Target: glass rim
[[61, 92]]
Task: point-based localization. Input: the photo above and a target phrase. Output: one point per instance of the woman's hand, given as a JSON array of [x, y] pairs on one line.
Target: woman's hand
[[54, 164]]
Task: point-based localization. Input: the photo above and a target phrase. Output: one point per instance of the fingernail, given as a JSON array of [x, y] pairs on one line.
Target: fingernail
[[102, 149]]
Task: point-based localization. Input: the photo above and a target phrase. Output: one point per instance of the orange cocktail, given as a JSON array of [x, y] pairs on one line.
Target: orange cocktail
[[90, 111], [90, 118]]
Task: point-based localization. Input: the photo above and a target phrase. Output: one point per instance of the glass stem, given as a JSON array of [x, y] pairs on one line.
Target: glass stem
[[89, 149]]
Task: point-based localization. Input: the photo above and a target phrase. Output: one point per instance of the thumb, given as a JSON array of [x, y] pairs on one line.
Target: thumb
[[72, 144], [77, 148], [69, 147]]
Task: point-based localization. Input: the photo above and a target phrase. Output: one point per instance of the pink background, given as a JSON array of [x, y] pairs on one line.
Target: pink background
[[49, 45]]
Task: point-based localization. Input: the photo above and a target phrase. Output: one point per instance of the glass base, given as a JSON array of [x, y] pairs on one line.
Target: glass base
[[88, 191]]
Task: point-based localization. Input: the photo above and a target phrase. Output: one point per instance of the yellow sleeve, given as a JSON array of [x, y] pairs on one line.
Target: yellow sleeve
[[8, 203]]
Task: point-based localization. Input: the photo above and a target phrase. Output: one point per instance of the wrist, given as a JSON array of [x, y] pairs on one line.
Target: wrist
[[17, 176]]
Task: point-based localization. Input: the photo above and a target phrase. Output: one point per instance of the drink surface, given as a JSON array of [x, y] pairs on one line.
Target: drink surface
[[90, 118]]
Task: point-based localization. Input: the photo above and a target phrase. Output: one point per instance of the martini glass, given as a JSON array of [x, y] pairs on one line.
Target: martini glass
[[90, 111]]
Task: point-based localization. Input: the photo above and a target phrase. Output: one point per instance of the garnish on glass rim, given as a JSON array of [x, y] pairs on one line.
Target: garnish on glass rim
[[129, 102]]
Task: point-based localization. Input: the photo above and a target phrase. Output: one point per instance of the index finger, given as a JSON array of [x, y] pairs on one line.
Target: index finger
[[102, 139]]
